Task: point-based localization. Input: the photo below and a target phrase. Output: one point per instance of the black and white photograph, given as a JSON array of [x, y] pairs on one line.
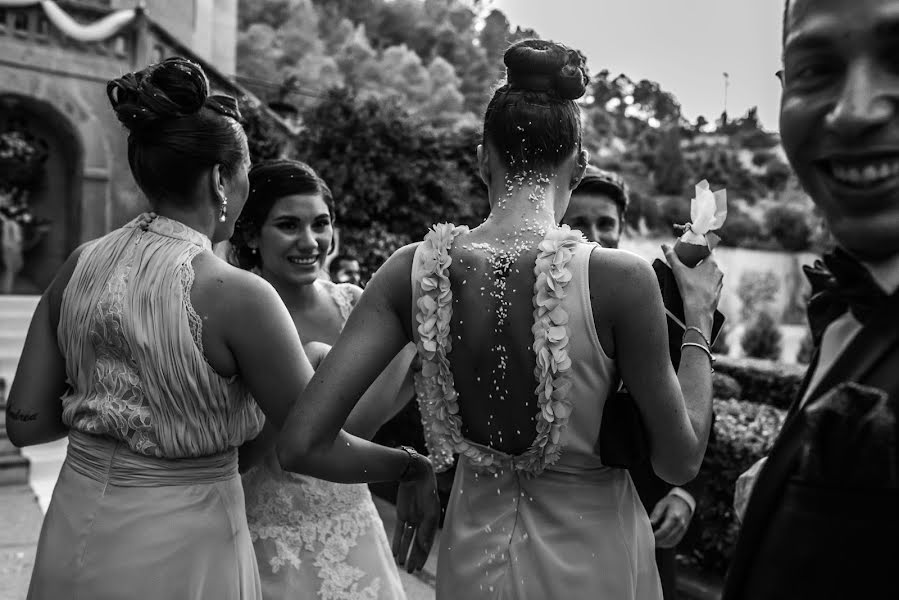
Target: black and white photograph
[[449, 299]]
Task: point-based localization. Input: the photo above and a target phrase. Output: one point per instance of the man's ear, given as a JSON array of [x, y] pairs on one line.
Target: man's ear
[[580, 167]]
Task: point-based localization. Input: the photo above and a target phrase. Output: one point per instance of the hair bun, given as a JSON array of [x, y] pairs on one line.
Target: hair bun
[[544, 66], [170, 89]]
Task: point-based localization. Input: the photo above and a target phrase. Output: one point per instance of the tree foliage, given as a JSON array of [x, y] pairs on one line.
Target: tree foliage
[[441, 59], [391, 174], [430, 54]]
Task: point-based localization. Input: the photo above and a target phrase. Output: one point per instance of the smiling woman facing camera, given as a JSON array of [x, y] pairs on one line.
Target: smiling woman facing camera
[[313, 537], [133, 355]]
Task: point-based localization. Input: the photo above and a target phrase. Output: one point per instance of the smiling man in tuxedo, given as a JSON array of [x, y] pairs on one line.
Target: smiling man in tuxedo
[[597, 209], [822, 519]]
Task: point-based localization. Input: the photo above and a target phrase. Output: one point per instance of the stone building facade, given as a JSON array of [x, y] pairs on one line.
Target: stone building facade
[[57, 86]]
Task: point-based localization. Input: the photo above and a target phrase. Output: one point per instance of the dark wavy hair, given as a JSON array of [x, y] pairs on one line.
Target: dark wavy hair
[[271, 180], [177, 129], [533, 120]]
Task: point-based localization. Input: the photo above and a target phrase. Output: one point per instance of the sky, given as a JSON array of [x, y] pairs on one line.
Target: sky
[[684, 45]]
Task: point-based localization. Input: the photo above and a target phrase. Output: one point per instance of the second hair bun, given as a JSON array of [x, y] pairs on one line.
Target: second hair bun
[[173, 88], [541, 65]]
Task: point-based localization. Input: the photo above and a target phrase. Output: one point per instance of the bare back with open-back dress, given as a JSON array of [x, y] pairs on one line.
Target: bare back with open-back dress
[[534, 513]]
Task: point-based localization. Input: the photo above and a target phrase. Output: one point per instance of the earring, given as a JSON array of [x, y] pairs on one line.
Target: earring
[[253, 251], [224, 210]]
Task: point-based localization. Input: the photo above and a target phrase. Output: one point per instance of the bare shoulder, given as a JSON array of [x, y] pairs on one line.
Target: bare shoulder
[[620, 266], [396, 271], [221, 289], [621, 279], [400, 262], [390, 289]]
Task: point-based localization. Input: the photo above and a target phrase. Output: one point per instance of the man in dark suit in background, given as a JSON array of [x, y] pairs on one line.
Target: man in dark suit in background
[[822, 520], [597, 209]]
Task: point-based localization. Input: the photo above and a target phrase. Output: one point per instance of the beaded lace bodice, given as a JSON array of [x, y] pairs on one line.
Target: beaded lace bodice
[[134, 348], [314, 523]]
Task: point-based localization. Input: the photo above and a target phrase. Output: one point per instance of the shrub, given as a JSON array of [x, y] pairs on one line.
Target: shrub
[[740, 230], [744, 433], [763, 381], [789, 226], [725, 387], [674, 210], [756, 290], [762, 338]]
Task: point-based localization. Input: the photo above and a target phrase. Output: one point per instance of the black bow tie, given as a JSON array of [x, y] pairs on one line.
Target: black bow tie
[[840, 283]]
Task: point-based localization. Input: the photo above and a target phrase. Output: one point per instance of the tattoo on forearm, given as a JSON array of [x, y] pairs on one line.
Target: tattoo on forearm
[[18, 415]]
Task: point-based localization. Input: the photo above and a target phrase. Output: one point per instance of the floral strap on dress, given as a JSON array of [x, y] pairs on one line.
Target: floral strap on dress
[[551, 334]]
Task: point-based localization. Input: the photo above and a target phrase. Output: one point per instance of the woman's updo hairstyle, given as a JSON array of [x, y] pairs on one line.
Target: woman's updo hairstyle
[[533, 120], [177, 130], [271, 180]]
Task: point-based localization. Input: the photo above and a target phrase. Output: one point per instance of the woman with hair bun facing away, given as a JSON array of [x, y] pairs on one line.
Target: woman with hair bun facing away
[[534, 512], [157, 381], [167, 368]]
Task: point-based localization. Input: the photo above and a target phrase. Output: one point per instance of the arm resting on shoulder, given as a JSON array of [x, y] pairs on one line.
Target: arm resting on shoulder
[[270, 357], [312, 441], [391, 391]]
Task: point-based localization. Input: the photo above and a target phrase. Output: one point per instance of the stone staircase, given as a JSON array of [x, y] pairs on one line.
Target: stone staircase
[[15, 316]]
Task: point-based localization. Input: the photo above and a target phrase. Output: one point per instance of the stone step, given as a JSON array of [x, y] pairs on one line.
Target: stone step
[[15, 318], [25, 303], [11, 343], [13, 469]]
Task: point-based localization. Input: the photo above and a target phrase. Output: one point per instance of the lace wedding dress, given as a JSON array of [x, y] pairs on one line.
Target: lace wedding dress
[[316, 539], [543, 517]]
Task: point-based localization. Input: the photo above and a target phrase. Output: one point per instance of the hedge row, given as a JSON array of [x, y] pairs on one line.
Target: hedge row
[[763, 381], [744, 433]]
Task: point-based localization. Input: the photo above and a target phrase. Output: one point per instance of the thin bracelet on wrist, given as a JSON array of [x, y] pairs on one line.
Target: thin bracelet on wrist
[[700, 332], [412, 454], [704, 349]]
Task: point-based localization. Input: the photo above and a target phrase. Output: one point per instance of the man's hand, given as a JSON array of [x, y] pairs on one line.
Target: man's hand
[[670, 519]]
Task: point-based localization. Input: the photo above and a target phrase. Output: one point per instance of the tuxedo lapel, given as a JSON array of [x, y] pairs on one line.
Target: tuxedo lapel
[[864, 351], [803, 387]]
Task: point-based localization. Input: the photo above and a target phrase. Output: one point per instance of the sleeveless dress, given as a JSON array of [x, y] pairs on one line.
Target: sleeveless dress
[[315, 539], [553, 521], [149, 501]]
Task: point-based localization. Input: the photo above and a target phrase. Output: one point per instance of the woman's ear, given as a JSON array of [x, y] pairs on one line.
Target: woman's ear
[[218, 185], [484, 164], [580, 167]]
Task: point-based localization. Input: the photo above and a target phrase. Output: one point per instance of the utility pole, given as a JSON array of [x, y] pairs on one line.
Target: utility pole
[[726, 85]]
